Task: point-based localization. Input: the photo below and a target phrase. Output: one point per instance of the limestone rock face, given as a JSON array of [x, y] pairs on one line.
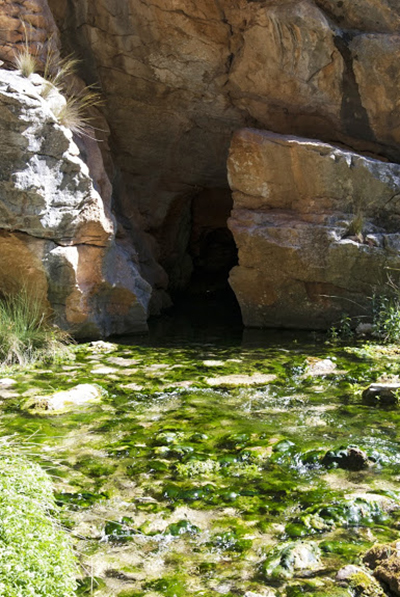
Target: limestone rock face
[[180, 77], [57, 238], [316, 228]]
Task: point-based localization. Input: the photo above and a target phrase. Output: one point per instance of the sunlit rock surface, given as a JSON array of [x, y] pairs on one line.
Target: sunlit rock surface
[[316, 227], [57, 235]]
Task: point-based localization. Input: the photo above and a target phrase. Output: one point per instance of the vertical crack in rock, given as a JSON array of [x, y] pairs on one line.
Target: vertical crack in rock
[[353, 114]]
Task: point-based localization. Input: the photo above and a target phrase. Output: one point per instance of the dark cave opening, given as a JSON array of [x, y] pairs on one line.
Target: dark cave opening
[[213, 253]]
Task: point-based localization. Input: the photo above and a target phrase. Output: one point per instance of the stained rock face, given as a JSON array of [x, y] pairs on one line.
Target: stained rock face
[[316, 228], [58, 238]]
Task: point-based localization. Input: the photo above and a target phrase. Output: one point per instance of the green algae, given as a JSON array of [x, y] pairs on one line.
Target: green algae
[[183, 488]]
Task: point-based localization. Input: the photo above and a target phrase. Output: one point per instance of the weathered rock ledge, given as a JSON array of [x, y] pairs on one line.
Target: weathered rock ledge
[[316, 227]]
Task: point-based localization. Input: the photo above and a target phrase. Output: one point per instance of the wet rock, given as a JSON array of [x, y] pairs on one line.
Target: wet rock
[[352, 511], [382, 394], [290, 558], [316, 367], [67, 399], [384, 560], [360, 582], [351, 458]]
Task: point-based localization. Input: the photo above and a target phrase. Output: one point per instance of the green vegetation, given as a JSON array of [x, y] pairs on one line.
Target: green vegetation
[[172, 489], [26, 335], [36, 558], [386, 318]]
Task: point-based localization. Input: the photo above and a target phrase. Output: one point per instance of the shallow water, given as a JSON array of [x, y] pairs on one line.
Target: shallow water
[[184, 479]]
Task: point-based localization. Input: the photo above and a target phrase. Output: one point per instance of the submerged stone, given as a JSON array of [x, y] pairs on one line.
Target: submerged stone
[[287, 559], [382, 394], [317, 367], [59, 401], [351, 458], [354, 511], [241, 380]]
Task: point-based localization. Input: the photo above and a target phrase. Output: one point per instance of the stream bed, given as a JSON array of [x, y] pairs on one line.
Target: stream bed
[[216, 465]]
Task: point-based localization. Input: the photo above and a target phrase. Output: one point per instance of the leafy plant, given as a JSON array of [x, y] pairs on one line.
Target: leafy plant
[[343, 331], [386, 318], [26, 334]]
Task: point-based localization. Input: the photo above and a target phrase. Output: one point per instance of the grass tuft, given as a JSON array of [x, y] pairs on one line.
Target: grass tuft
[[26, 334], [25, 61], [74, 114]]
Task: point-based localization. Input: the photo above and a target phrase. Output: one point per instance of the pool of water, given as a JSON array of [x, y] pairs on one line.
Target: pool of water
[[203, 471]]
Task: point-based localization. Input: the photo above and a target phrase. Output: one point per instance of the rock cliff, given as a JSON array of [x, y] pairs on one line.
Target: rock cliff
[[317, 229], [178, 78]]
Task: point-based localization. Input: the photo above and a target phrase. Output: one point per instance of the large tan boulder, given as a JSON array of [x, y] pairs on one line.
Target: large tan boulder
[[57, 234], [316, 227]]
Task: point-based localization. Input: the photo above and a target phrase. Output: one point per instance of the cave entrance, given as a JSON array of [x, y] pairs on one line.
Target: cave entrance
[[213, 254]]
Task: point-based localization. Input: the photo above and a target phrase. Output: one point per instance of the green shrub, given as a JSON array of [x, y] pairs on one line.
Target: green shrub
[[26, 333], [36, 557], [386, 318]]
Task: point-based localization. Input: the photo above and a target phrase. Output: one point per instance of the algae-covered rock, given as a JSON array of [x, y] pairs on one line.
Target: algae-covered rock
[[67, 399], [382, 394], [350, 458], [360, 582], [385, 562], [287, 559], [354, 511]]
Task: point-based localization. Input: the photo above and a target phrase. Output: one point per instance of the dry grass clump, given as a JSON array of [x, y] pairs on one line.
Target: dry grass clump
[[59, 74], [26, 62], [26, 334]]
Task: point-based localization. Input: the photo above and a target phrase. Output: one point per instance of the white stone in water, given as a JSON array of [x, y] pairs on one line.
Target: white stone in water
[[6, 382], [122, 361], [77, 396], [214, 363], [239, 380], [104, 370], [347, 571]]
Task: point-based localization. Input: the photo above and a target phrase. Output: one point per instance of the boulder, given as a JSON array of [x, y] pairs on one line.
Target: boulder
[[351, 458], [301, 211], [385, 562], [57, 235], [360, 582]]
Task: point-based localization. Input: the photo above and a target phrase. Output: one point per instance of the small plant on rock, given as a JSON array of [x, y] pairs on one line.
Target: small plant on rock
[[74, 114], [25, 61]]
